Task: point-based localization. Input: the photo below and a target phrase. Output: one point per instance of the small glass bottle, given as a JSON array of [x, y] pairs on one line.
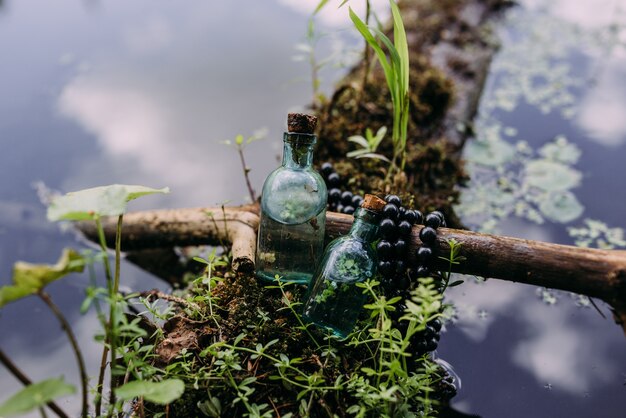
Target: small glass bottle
[[293, 209], [334, 301]]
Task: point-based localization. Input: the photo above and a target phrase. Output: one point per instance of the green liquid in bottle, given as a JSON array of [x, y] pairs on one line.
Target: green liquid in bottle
[[290, 251], [334, 301]]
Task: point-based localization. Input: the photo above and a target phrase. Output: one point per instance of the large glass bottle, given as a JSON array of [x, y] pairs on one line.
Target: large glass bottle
[[334, 301], [293, 209]]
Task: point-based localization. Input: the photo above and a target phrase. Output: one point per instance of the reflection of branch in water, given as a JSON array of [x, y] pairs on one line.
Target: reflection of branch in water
[[19, 375]]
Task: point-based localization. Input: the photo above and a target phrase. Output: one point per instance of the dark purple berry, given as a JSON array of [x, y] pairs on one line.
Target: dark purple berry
[[348, 210], [402, 326], [356, 201], [339, 208], [428, 235], [410, 216], [387, 228], [420, 347], [431, 345], [436, 324], [334, 195], [385, 268], [404, 227], [400, 308], [401, 268], [384, 249], [346, 198], [333, 180], [390, 211], [440, 215], [392, 198], [429, 333], [326, 169], [401, 212], [424, 255], [422, 271], [402, 282], [399, 248], [432, 220], [418, 217]]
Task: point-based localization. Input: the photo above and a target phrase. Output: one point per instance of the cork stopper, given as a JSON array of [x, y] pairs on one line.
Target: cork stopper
[[373, 203], [301, 123]]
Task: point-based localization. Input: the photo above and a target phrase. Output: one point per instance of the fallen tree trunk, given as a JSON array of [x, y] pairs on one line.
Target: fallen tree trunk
[[592, 272]]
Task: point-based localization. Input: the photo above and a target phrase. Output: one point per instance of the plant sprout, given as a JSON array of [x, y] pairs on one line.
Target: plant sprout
[[369, 144]]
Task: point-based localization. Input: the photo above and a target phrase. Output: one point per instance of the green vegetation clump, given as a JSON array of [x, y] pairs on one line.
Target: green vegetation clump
[[253, 355]]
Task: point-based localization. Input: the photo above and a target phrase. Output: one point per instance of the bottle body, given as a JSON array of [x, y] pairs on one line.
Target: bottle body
[[293, 215], [334, 301]]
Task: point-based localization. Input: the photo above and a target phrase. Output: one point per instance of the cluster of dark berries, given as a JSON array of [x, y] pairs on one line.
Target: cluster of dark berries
[[393, 265], [422, 342], [395, 231], [427, 252], [338, 200], [444, 388]]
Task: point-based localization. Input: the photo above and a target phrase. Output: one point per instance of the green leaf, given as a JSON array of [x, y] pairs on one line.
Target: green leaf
[[320, 6], [89, 204], [561, 150], [31, 278], [551, 175], [382, 58], [372, 155], [489, 153], [162, 393], [399, 36], [358, 139], [35, 396], [561, 207]]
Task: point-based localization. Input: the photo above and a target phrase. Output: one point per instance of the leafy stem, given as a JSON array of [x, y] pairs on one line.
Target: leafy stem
[[454, 258], [113, 320], [290, 306]]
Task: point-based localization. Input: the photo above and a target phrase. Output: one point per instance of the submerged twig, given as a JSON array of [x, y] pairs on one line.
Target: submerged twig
[[75, 348], [25, 380]]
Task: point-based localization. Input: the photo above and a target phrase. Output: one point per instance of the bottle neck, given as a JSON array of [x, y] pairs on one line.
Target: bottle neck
[[298, 150], [365, 226]]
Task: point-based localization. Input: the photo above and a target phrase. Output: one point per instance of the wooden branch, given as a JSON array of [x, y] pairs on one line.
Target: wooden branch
[[596, 273], [187, 227]]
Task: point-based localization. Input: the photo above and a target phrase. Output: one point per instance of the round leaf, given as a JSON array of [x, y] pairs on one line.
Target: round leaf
[[98, 201], [162, 393], [489, 153], [30, 278], [35, 396], [561, 207], [551, 175]]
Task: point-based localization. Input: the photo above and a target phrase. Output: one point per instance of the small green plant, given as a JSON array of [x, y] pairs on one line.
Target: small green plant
[[121, 335], [395, 65], [240, 143], [369, 144], [453, 258]]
